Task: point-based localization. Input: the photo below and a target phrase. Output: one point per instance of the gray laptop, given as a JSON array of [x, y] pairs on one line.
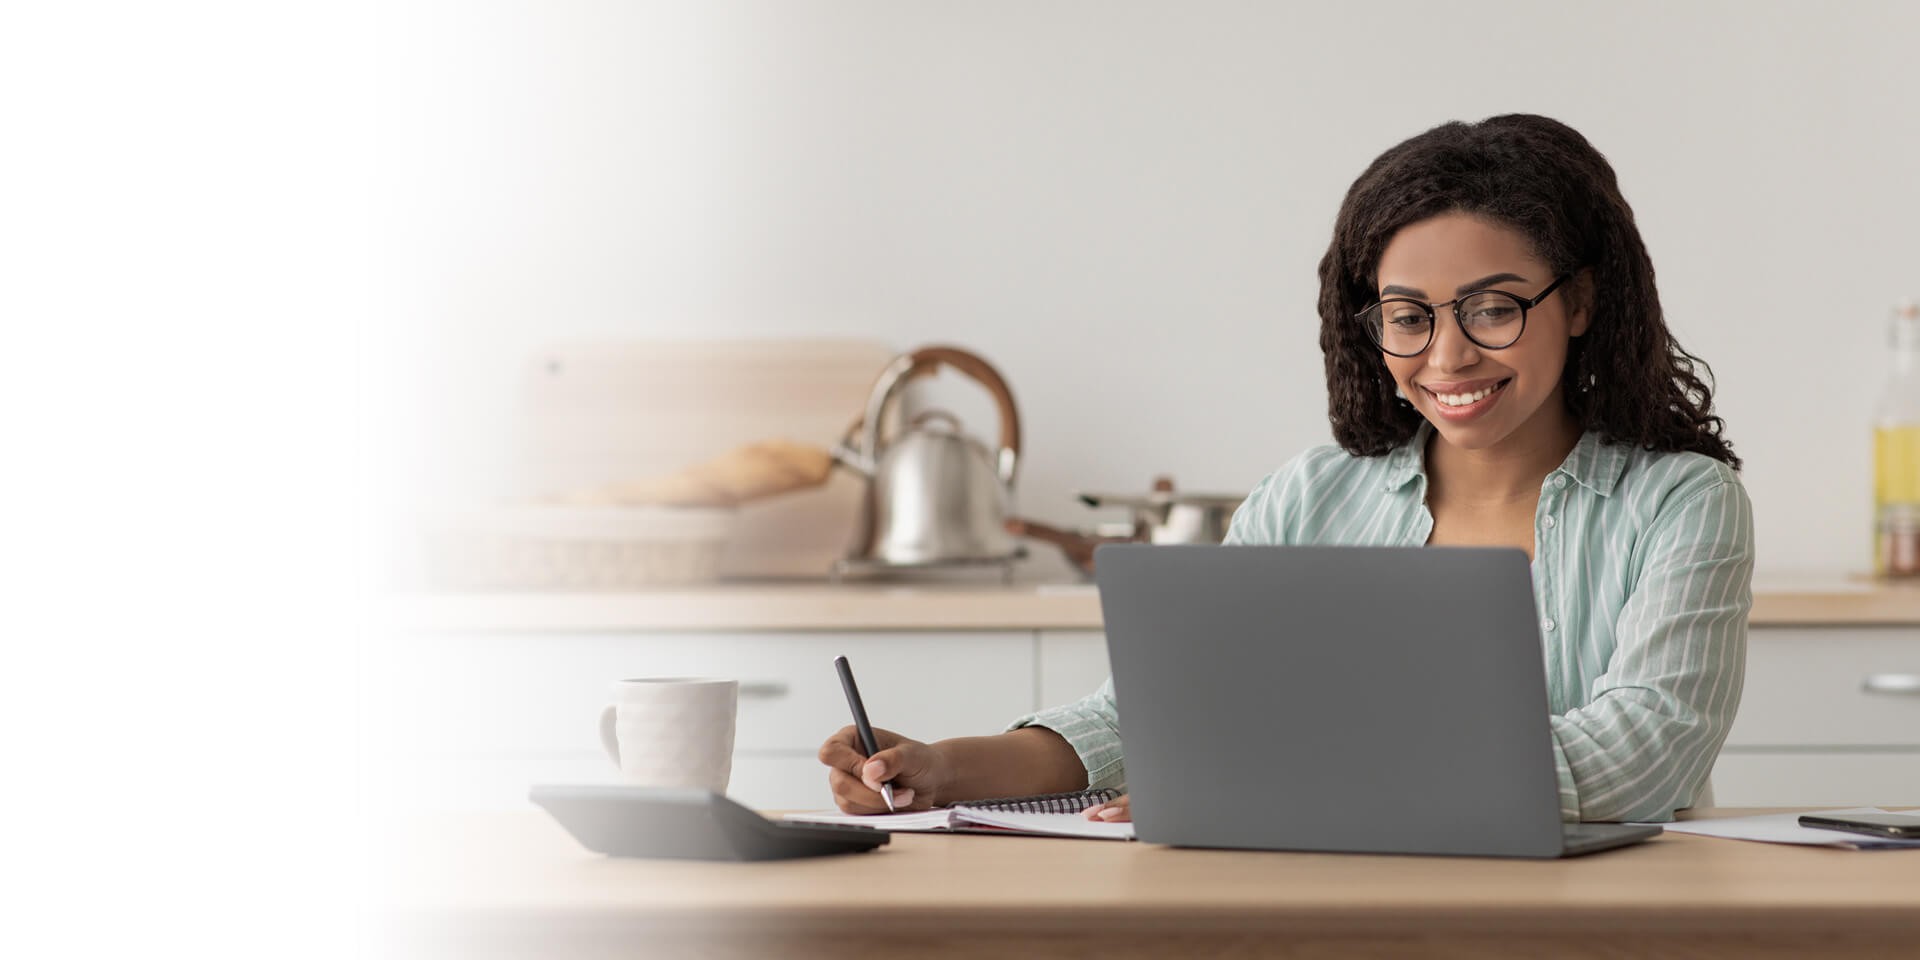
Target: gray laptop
[[1360, 699]]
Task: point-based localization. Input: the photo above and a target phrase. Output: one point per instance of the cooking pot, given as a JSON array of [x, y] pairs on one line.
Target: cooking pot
[[1163, 516]]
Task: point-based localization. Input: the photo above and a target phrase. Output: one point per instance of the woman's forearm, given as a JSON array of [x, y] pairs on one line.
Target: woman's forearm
[[1018, 763]]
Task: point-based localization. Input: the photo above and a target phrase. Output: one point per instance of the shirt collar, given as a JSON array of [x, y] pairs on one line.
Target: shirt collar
[[1592, 463], [1409, 459]]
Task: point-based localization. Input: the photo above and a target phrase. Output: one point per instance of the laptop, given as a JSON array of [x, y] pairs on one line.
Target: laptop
[[1351, 699]]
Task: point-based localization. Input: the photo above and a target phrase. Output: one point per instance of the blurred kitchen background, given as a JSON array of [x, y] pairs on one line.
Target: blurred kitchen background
[[1120, 205]]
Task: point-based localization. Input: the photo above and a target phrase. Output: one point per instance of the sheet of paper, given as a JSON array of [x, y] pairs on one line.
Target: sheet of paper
[[1058, 824], [1785, 828]]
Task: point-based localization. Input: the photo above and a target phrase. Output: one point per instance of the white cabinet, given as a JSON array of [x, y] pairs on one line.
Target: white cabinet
[[1072, 664], [472, 719], [1829, 716]]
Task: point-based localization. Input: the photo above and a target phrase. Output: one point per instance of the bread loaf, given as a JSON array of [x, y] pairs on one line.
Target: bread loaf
[[745, 473]]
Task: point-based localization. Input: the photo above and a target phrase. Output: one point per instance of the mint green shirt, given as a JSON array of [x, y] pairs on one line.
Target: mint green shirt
[[1642, 574]]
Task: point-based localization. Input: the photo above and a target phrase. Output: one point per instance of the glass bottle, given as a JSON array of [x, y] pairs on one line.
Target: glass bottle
[[1896, 452]]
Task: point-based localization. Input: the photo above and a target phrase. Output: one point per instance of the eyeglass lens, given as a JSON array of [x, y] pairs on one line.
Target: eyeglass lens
[[1405, 327]]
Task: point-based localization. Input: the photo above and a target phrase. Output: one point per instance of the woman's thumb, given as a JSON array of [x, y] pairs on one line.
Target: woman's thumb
[[885, 765]]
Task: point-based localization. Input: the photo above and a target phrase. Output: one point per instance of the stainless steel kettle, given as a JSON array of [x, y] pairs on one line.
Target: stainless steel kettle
[[935, 494]]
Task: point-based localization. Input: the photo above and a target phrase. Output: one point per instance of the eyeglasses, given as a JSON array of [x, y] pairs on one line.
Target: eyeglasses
[[1492, 319]]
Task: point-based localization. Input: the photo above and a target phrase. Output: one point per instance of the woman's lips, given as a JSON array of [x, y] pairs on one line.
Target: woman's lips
[[1471, 410]]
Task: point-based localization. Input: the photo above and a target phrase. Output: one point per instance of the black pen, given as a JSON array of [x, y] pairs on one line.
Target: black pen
[[860, 720]]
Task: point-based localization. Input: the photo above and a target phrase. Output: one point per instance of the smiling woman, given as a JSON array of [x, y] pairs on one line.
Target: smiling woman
[[1544, 407]]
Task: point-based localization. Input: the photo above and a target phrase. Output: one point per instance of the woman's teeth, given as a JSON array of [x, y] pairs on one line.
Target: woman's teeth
[[1462, 399]]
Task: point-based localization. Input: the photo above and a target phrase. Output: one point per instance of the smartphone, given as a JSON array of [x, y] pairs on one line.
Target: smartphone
[[1899, 826]]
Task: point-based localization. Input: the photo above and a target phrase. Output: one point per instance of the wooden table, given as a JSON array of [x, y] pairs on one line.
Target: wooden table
[[515, 885]]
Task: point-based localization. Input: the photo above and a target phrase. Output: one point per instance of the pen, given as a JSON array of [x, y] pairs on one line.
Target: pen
[[860, 720]]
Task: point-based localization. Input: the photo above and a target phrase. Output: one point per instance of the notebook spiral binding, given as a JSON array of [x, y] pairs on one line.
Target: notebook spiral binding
[[1073, 802]]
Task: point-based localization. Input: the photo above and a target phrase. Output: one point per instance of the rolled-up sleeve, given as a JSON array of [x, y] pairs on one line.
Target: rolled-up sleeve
[[1092, 725], [1646, 741]]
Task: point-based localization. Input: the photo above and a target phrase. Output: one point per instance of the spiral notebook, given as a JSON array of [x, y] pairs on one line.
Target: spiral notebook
[[1044, 815]]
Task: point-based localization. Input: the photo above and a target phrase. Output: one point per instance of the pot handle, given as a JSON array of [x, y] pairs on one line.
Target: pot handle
[[928, 359], [1077, 546]]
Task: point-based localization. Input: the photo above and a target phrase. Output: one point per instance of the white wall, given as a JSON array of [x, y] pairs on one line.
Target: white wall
[[184, 496], [1122, 204]]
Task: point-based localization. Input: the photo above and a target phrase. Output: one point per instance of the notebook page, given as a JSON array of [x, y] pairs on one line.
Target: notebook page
[[1054, 824], [923, 820]]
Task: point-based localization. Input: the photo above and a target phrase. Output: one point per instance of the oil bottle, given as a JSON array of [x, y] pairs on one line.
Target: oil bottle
[[1896, 452]]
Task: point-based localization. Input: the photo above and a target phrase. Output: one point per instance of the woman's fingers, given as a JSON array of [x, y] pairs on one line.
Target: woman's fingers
[[1119, 810], [851, 795], [911, 767]]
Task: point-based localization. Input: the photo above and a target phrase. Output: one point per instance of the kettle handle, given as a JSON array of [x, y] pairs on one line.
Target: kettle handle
[[926, 360]]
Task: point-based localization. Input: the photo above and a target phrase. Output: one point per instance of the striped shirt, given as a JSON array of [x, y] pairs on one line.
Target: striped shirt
[[1642, 573]]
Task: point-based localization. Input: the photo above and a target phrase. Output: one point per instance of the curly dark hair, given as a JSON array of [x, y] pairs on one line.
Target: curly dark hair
[[1626, 377]]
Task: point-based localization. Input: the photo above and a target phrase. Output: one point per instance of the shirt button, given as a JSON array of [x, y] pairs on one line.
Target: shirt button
[[1559, 482], [1547, 522], [1547, 624]]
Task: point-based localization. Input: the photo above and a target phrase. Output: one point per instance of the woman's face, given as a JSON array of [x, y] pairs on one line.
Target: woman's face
[[1440, 258]]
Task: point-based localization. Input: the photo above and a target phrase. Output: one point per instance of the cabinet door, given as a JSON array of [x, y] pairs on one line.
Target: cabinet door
[[1824, 778], [1830, 687], [501, 711], [1073, 663]]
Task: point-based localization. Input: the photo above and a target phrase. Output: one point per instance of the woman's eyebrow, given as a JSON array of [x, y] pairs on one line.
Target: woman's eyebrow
[[1464, 289]]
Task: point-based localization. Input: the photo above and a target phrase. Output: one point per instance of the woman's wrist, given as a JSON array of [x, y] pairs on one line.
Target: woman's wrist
[[939, 788]]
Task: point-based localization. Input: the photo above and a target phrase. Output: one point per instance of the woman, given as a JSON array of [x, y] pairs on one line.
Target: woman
[[1499, 373]]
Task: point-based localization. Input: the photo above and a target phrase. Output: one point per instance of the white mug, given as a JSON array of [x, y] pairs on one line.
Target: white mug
[[672, 731]]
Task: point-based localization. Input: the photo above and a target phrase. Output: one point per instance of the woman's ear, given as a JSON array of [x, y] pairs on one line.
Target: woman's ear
[[1580, 303]]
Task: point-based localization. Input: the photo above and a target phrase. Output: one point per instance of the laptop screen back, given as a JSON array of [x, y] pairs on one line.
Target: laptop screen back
[[1373, 699]]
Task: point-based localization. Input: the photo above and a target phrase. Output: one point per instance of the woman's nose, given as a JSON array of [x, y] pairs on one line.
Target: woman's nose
[[1451, 350]]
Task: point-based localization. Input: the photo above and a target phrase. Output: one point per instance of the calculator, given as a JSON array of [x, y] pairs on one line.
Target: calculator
[[689, 824]]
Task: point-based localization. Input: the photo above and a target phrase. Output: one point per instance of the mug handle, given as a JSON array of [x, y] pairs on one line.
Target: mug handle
[[608, 738]]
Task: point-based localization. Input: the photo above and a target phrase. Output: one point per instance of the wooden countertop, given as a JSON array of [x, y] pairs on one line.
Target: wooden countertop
[[514, 884], [1779, 599]]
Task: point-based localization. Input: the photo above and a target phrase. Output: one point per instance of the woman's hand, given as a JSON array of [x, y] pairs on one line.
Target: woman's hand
[[1118, 810], [919, 772]]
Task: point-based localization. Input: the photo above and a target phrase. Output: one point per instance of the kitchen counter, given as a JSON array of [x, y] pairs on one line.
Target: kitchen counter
[[1779, 599]]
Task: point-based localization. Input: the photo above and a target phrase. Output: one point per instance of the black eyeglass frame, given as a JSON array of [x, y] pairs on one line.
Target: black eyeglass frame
[[1433, 316]]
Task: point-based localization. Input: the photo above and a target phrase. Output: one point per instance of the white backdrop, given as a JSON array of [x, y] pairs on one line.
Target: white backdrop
[[1122, 205]]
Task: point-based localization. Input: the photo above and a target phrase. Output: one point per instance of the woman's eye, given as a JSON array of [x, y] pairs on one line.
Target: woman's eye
[[1407, 319], [1494, 314]]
